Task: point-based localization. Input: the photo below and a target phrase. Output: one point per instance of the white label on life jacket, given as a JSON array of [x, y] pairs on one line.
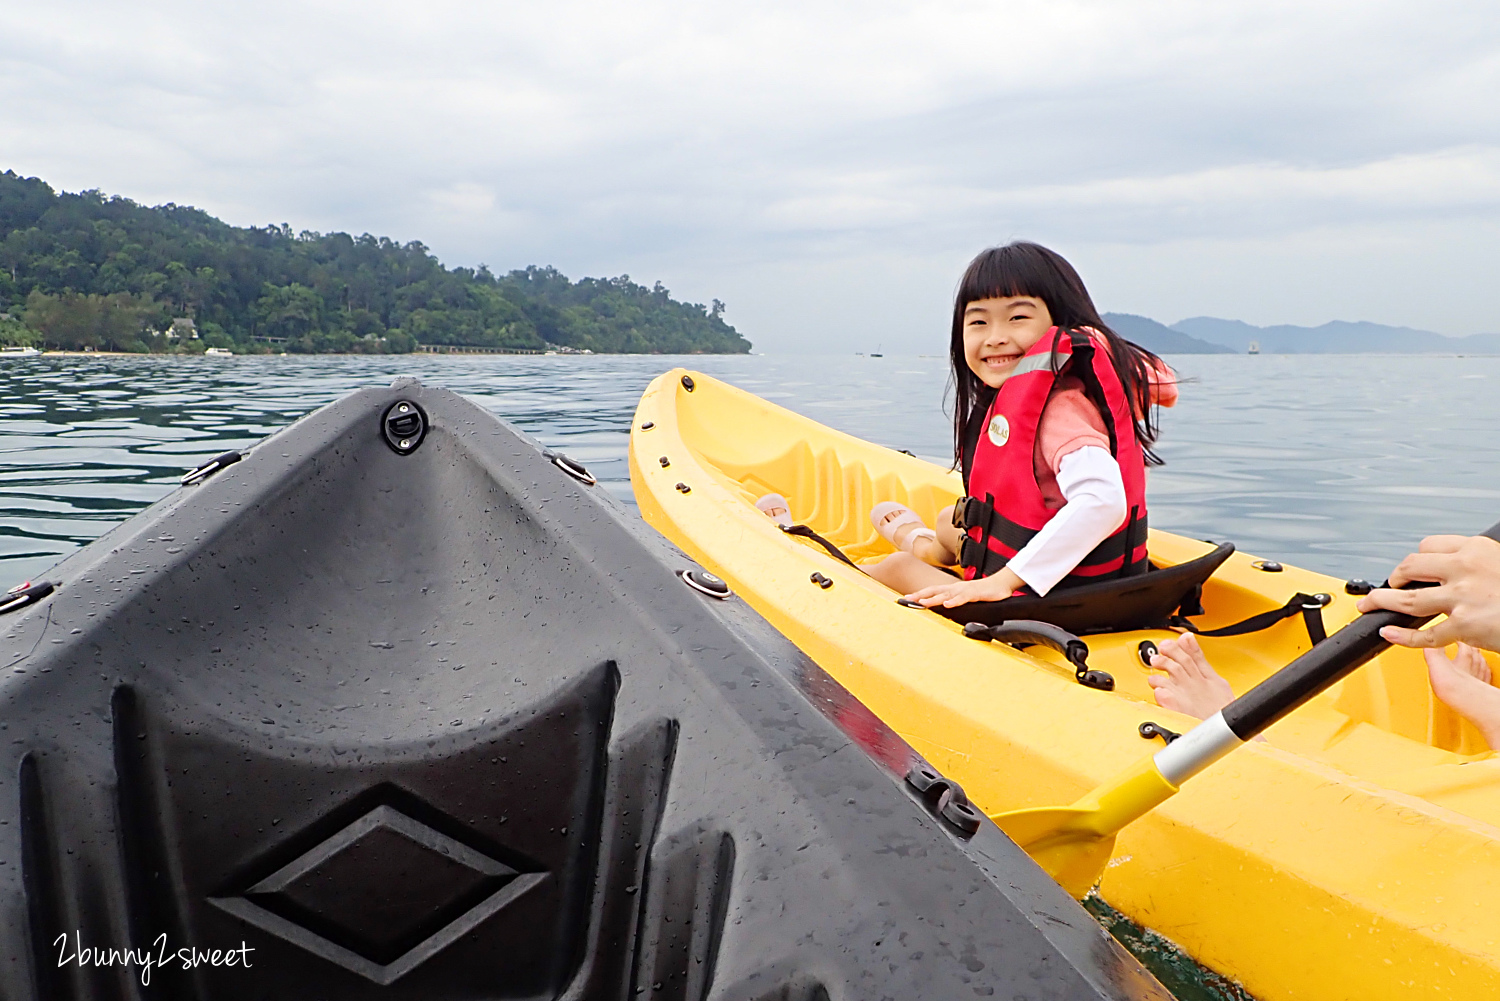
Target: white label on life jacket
[[999, 430]]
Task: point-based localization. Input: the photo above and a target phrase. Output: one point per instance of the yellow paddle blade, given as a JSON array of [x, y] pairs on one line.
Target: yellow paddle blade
[[1062, 840], [1073, 843]]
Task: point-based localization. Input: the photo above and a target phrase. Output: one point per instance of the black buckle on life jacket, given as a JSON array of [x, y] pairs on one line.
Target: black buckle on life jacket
[[981, 558], [973, 513], [983, 524], [971, 552], [969, 511]]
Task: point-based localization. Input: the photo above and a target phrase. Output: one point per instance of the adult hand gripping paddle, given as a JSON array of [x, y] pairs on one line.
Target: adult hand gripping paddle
[[1073, 843]]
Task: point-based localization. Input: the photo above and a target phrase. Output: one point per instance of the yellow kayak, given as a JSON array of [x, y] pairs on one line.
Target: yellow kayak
[[1355, 853]]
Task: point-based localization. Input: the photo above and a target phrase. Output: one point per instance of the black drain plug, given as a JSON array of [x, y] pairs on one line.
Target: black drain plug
[[405, 425]]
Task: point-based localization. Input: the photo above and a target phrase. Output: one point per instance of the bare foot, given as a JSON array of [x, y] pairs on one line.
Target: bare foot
[[1191, 685], [1463, 683]]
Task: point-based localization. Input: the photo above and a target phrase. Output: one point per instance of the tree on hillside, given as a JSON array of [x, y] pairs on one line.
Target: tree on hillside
[[288, 311], [75, 322], [321, 292]]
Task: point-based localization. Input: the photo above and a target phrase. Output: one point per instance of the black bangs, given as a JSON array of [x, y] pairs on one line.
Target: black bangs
[[1020, 269], [1029, 269]]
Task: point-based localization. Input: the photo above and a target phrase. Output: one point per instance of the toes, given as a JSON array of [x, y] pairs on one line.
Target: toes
[[1164, 661], [1174, 659]]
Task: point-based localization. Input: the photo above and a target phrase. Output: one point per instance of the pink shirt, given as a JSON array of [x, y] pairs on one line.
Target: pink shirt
[[1070, 421]]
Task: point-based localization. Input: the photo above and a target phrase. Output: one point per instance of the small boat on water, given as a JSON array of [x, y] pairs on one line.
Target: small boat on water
[[398, 705], [1254, 348], [18, 351], [219, 353], [1355, 854]]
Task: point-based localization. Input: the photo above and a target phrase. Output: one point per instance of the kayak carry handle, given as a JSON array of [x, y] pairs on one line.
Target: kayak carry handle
[[1031, 632]]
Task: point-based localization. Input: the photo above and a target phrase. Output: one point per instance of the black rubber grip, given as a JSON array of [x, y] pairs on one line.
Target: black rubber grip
[[1325, 664], [1331, 660], [1030, 631]]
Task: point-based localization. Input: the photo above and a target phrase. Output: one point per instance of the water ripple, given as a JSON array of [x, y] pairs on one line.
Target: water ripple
[[1337, 463]]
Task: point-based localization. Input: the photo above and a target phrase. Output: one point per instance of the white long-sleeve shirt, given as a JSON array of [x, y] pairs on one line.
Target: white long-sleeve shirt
[[1090, 481]]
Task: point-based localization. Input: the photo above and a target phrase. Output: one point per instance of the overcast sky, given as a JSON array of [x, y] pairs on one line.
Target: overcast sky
[[826, 168]]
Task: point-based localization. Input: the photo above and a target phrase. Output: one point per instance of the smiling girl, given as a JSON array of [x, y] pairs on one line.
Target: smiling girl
[[1053, 428]]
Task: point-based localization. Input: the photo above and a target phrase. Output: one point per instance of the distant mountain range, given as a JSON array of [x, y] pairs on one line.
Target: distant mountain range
[[1211, 335], [1162, 339]]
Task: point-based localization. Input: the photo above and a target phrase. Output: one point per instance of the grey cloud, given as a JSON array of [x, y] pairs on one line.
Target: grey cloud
[[791, 158]]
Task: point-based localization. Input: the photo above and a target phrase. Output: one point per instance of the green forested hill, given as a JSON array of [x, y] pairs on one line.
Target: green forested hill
[[87, 270]]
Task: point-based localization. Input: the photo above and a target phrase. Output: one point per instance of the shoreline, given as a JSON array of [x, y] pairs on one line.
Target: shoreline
[[703, 354], [359, 354]]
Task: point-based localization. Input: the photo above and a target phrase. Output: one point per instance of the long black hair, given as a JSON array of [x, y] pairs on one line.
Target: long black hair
[[1023, 268]]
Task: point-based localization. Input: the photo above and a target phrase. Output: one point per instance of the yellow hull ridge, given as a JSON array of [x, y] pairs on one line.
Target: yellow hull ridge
[[1353, 854]]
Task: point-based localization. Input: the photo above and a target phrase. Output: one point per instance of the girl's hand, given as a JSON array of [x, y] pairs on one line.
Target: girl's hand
[[995, 587], [1467, 571]]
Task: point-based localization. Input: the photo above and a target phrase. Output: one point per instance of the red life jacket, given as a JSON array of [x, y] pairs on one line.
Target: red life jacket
[[1004, 508]]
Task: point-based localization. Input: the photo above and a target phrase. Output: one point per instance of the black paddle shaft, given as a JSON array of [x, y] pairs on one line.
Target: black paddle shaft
[[1330, 661]]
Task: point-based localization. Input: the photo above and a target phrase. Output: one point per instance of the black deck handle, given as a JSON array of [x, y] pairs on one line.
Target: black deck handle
[[1032, 632], [1324, 665]]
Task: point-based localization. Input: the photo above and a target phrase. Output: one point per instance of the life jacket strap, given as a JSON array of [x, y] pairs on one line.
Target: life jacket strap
[[977, 553], [1082, 367], [973, 427]]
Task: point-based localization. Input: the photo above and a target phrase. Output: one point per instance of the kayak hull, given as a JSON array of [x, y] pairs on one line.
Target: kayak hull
[[1353, 855], [396, 707]]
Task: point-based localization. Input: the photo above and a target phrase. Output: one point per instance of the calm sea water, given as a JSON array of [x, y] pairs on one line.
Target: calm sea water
[[1339, 463], [1336, 463]]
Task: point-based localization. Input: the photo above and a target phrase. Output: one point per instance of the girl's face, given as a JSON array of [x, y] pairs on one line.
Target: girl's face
[[997, 332]]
